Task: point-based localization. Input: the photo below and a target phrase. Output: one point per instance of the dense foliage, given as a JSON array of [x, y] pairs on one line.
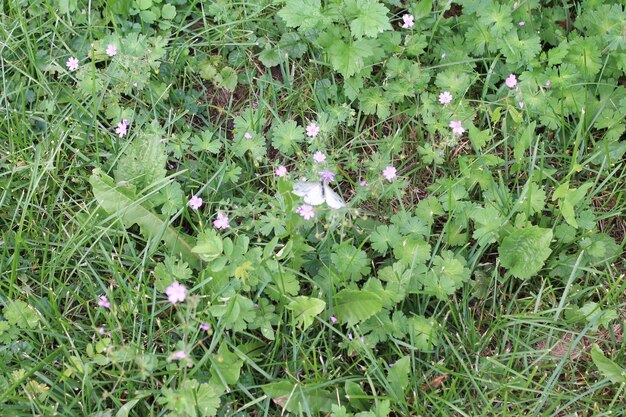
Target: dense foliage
[[155, 259]]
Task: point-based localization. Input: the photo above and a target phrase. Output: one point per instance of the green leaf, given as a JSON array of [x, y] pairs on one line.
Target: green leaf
[[225, 367], [524, 251], [398, 376], [350, 262], [300, 399], [191, 399], [487, 223], [422, 9], [168, 12], [607, 367], [235, 313], [143, 4], [305, 309], [171, 198], [383, 237], [292, 44], [423, 333], [120, 201], [347, 57], [287, 136], [209, 246], [305, 14], [411, 250], [227, 78], [479, 137], [367, 17], [143, 162], [372, 100], [270, 57], [20, 314], [354, 306]]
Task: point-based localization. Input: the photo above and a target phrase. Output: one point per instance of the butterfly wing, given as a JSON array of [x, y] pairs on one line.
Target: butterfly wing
[[333, 199], [312, 192]]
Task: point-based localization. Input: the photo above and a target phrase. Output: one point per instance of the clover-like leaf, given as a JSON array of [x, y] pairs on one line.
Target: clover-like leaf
[[367, 17], [305, 309], [524, 251], [354, 306]]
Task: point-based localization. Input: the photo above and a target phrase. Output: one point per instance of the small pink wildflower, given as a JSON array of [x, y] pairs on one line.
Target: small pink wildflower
[[389, 173], [101, 331], [456, 127], [195, 202], [176, 292], [72, 63], [179, 355], [521, 104], [312, 130], [333, 319], [511, 81], [445, 98], [205, 327], [221, 222], [135, 84], [319, 157], [305, 211], [327, 176], [350, 336], [522, 23], [363, 183], [111, 50], [104, 302], [247, 135], [408, 21], [281, 171], [122, 128]]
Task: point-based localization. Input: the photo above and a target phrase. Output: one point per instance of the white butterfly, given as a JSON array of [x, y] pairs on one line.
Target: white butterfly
[[315, 193]]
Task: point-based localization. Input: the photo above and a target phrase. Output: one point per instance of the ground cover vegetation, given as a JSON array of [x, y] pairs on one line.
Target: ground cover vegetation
[[358, 208]]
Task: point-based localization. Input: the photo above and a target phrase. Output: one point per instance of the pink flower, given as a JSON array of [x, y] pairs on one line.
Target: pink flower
[[305, 211], [195, 202], [445, 98], [101, 331], [178, 356], [333, 319], [135, 84], [221, 222], [111, 50], [408, 20], [319, 157], [104, 302], [363, 183], [176, 292], [521, 104], [522, 23], [205, 327], [72, 64], [350, 336], [456, 127], [247, 135], [122, 128], [281, 171], [511, 81], [327, 176], [312, 130], [389, 173]]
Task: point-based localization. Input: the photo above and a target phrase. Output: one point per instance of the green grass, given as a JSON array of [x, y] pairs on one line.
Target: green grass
[[498, 345]]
